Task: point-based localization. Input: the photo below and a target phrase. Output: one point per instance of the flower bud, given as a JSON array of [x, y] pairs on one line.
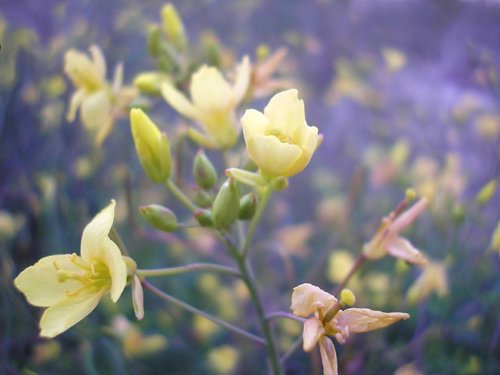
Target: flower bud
[[347, 297], [410, 194], [150, 82], [226, 205], [137, 298], [152, 146], [204, 217], [173, 26], [131, 265], [203, 199], [279, 183], [204, 172], [159, 217], [154, 41], [486, 193], [248, 206]]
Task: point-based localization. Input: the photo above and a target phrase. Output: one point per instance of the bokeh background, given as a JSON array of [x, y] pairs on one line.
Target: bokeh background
[[406, 94]]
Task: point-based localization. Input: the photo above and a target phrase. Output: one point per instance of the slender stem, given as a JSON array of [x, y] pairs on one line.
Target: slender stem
[[168, 298], [174, 189], [285, 315], [357, 264], [255, 220], [170, 271], [247, 276]]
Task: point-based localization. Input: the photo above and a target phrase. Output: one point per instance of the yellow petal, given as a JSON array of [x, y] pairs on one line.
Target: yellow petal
[[286, 113], [253, 123], [364, 320], [308, 298], [95, 109], [210, 91], [407, 217], [402, 248], [65, 314], [40, 284], [177, 100], [273, 157], [75, 103], [95, 232], [313, 330], [99, 62], [328, 356], [242, 80], [112, 257]]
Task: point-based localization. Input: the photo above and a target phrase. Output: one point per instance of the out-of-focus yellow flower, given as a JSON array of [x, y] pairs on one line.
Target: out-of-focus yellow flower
[[394, 58], [495, 239], [151, 145], [213, 104], [408, 369], [387, 239], [70, 286], [223, 359], [486, 192], [313, 303], [92, 96], [279, 140], [433, 278]]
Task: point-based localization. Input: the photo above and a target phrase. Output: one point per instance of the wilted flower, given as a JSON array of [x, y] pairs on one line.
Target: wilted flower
[[387, 239], [213, 104], [279, 140], [71, 286], [313, 303]]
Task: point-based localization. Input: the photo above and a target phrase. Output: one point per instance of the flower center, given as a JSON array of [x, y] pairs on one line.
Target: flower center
[[278, 134], [96, 275]]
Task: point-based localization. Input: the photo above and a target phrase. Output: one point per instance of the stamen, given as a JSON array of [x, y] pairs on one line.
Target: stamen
[[278, 134]]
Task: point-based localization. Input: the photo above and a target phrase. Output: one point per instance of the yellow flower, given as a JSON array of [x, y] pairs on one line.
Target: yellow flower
[[70, 286], [92, 95], [213, 104], [387, 239], [432, 278], [279, 140], [313, 303]]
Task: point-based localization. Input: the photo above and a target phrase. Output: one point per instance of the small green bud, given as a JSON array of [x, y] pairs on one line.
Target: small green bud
[[150, 82], [203, 199], [159, 217], [204, 217], [226, 205], [204, 172], [152, 146], [279, 183], [173, 26], [347, 297], [459, 213], [410, 194], [248, 206], [154, 41], [486, 193]]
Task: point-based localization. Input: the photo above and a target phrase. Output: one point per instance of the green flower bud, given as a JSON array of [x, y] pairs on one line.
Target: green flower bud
[[159, 217], [226, 206], [204, 172], [248, 206], [150, 82], [279, 183], [154, 41], [173, 26], [151, 145], [204, 217], [486, 193], [203, 199]]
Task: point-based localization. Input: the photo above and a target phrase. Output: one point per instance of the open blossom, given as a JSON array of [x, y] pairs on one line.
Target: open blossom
[[387, 239], [279, 140], [313, 303], [213, 104], [71, 285]]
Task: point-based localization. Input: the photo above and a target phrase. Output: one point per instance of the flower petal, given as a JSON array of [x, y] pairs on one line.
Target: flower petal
[[308, 298], [40, 284], [313, 330], [75, 103], [407, 217], [253, 123], [273, 157], [65, 314], [286, 113], [242, 80], [328, 356], [96, 231], [99, 62], [95, 109], [112, 257], [402, 248], [209, 90], [364, 320], [178, 101]]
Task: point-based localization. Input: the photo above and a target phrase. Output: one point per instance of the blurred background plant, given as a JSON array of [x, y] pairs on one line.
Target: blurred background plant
[[405, 94]]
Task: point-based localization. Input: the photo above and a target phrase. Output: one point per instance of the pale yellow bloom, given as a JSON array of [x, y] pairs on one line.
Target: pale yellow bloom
[[279, 140], [388, 241], [70, 286], [213, 104], [432, 279], [313, 303]]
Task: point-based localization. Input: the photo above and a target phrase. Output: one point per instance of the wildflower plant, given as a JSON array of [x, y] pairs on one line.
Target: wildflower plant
[[262, 152]]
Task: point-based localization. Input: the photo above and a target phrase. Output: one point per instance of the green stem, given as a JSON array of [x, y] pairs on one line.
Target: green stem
[[174, 189], [255, 220], [249, 280], [168, 298], [285, 315], [170, 271]]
